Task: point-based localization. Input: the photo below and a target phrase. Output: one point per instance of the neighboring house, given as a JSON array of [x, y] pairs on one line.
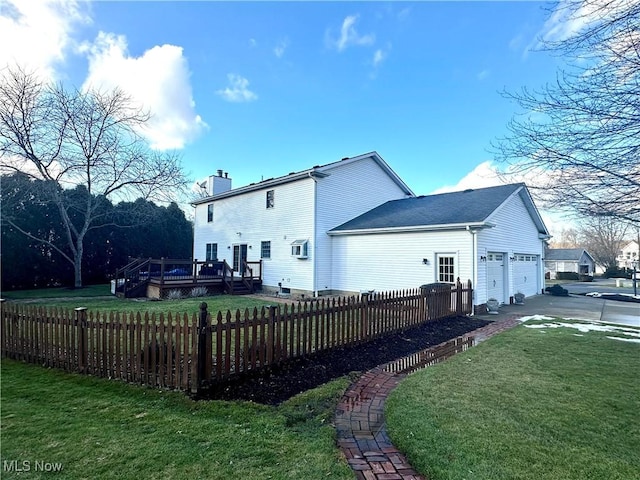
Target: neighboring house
[[575, 260], [628, 255], [354, 225]]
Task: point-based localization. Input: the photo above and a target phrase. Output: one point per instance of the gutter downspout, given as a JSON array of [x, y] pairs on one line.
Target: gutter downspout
[[315, 240], [474, 266]]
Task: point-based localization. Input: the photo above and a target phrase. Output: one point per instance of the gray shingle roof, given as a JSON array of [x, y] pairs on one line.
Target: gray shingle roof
[[572, 254], [469, 206]]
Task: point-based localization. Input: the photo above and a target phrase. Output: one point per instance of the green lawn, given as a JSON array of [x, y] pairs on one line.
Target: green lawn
[[542, 404], [98, 298], [89, 291], [100, 429]]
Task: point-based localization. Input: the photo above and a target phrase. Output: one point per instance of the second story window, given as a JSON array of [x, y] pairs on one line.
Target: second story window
[[210, 213], [270, 198]]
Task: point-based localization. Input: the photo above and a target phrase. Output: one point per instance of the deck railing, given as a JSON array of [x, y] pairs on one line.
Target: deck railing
[[166, 271]]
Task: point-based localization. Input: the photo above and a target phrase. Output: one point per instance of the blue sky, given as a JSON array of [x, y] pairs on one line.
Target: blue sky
[[263, 89]]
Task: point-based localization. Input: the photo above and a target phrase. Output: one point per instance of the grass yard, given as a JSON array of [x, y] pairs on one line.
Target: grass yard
[[100, 429], [531, 403], [98, 298], [89, 291]]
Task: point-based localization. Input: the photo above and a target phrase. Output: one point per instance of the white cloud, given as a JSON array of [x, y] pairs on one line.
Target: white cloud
[[349, 36], [238, 90], [483, 74], [567, 21], [487, 174], [484, 175], [378, 57], [37, 34], [281, 47], [158, 80]]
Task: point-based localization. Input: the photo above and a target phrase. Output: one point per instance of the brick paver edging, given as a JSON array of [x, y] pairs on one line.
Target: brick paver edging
[[359, 420]]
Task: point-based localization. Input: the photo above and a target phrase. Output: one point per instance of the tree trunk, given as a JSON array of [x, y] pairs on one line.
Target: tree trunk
[[77, 262]]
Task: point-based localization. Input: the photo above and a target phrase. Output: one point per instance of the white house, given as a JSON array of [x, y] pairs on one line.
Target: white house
[[354, 225], [575, 260], [629, 254], [284, 221]]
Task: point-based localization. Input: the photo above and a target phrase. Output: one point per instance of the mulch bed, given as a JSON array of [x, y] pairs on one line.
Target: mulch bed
[[282, 382]]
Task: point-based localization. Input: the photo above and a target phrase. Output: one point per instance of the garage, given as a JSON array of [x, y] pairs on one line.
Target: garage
[[495, 276], [525, 274]]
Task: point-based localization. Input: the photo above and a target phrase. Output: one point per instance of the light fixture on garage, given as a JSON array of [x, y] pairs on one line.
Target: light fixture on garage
[[483, 258], [425, 261]]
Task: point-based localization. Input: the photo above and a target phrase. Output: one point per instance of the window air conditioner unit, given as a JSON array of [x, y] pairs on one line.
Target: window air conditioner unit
[[300, 248]]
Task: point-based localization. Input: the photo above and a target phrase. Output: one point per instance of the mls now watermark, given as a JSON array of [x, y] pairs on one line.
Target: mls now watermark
[[30, 466]]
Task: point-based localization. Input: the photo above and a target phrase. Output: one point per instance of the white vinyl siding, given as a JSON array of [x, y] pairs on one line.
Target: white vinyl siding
[[392, 261], [243, 219], [350, 190]]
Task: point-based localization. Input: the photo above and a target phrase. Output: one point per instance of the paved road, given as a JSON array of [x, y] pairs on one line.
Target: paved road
[[601, 285]]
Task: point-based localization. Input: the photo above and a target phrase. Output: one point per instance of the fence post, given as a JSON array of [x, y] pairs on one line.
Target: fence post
[[81, 322], [202, 348], [271, 334], [365, 316], [459, 310], [423, 303]]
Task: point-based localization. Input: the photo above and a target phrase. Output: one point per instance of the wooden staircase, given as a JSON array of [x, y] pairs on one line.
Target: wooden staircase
[[133, 278]]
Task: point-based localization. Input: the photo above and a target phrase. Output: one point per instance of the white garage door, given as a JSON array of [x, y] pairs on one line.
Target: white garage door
[[525, 274], [495, 276]]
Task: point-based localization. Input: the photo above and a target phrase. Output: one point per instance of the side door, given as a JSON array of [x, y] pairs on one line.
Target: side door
[[239, 257]]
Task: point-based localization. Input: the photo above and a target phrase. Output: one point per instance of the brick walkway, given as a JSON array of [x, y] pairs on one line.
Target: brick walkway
[[359, 421]]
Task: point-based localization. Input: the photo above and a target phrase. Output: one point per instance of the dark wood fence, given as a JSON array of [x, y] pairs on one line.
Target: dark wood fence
[[190, 352]]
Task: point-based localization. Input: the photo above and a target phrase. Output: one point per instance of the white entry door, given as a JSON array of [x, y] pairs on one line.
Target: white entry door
[[495, 276]]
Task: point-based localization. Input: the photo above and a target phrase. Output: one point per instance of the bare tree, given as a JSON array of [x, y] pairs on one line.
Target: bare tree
[[603, 237], [580, 135], [71, 138], [568, 239]]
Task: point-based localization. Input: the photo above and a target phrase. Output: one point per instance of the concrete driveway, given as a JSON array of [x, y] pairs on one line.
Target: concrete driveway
[[578, 307]]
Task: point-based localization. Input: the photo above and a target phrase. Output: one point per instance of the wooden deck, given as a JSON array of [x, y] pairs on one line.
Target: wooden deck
[[184, 278]]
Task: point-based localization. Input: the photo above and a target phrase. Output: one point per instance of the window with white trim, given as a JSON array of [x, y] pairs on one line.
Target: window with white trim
[[212, 252], [265, 249], [210, 213], [271, 198], [446, 268]]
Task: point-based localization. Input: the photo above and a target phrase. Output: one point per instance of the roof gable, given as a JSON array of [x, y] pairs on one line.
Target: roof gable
[[446, 209], [318, 171]]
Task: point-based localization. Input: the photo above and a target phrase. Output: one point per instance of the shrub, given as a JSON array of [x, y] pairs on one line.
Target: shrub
[[198, 292], [566, 276], [617, 272], [174, 294]]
